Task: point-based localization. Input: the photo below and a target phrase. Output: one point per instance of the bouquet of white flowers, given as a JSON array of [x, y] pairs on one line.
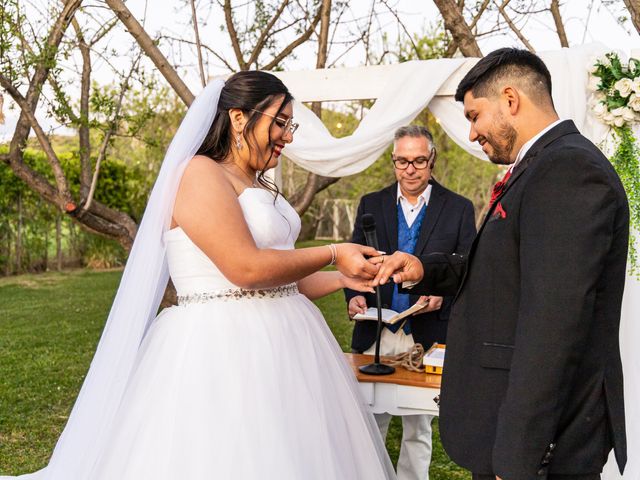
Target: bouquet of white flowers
[[616, 90]]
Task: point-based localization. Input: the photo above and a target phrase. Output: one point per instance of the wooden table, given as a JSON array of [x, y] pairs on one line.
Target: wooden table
[[401, 393]]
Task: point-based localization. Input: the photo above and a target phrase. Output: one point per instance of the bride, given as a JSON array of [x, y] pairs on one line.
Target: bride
[[242, 379]]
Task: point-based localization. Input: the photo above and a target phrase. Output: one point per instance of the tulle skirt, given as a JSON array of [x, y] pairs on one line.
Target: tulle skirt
[[242, 389]]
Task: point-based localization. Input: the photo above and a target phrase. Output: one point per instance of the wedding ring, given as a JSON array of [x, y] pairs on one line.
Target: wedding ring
[[382, 259]]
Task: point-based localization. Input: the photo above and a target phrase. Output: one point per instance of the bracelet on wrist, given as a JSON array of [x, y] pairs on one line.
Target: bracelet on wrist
[[334, 253]]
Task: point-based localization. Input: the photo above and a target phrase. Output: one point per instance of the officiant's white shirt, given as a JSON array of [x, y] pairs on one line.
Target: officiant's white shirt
[[411, 211]]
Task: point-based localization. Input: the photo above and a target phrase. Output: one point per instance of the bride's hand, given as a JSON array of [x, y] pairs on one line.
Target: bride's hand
[[351, 263], [356, 283]]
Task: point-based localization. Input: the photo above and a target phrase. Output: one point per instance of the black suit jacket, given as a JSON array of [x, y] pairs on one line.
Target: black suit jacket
[[532, 377], [448, 226]]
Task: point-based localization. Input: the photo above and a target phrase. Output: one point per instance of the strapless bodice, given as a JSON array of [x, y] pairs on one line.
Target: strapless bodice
[[272, 224]]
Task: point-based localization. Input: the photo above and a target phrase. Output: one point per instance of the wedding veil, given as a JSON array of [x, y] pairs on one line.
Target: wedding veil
[[135, 306]]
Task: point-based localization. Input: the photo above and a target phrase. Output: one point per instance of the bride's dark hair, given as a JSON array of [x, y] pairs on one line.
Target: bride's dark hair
[[247, 91]]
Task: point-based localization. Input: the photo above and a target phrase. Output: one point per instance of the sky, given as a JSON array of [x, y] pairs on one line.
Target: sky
[[583, 25]]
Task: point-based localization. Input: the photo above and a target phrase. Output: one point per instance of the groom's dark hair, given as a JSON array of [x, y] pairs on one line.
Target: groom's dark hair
[[520, 67]]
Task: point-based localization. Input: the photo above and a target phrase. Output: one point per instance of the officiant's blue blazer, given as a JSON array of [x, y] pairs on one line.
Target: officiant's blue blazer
[[448, 227]]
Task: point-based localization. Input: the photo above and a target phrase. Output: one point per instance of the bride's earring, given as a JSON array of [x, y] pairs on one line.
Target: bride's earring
[[238, 142]]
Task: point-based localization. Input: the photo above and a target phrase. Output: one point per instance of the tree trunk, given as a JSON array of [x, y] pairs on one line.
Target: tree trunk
[[59, 242], [19, 236], [455, 23], [634, 12], [46, 249], [301, 200], [7, 246]]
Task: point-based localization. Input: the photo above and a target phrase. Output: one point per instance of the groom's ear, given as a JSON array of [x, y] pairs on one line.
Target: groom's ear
[[238, 119]]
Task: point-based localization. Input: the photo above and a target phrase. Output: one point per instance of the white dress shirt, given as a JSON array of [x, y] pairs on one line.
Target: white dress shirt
[[411, 211], [525, 148]]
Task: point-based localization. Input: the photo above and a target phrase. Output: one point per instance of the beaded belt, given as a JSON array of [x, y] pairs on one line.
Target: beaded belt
[[238, 294]]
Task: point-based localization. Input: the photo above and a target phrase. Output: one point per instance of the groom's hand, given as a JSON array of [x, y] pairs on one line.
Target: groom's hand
[[351, 261], [400, 266]]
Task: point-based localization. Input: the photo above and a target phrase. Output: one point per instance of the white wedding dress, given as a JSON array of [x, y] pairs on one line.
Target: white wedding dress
[[237, 384]]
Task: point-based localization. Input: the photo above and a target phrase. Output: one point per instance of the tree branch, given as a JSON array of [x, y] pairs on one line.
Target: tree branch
[[107, 137], [557, 18], [455, 23], [40, 75], [151, 49], [264, 35], [62, 195], [233, 34], [513, 26], [206, 47], [198, 47], [293, 45], [106, 28], [83, 124], [478, 14]]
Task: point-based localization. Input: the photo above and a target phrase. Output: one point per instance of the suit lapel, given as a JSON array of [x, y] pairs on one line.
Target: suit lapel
[[521, 168], [564, 128], [434, 208], [390, 214]]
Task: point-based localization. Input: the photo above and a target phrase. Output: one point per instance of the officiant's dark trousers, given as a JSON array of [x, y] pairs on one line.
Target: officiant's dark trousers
[[550, 477]]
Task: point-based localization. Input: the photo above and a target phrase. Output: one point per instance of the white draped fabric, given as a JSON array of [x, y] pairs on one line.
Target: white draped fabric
[[405, 90]]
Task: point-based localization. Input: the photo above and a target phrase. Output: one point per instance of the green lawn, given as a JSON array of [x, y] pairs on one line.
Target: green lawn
[[49, 327]]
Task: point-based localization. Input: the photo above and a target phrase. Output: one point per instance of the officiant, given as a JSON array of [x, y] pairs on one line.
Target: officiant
[[416, 215]]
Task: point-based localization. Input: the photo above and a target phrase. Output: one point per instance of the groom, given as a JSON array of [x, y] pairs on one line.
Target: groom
[[532, 385]]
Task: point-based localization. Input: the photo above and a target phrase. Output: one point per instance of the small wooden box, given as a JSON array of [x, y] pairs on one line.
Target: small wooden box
[[434, 359]]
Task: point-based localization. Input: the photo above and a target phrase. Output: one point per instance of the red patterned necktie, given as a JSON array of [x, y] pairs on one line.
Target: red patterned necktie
[[498, 188]]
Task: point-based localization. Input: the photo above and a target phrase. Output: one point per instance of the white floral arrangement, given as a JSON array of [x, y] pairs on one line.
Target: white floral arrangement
[[616, 90], [616, 102]]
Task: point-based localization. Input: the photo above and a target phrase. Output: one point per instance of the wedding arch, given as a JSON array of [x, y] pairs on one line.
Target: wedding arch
[[401, 92]]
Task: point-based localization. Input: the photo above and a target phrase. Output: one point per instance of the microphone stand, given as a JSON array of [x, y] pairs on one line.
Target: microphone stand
[[377, 368]]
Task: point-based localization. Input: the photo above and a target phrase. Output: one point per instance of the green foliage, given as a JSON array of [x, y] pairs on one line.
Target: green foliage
[[625, 161], [432, 43], [23, 213]]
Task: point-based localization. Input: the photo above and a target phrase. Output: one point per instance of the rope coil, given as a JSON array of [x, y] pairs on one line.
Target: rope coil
[[411, 360]]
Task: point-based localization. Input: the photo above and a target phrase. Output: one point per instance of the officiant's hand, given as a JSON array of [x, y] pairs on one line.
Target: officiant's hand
[[401, 267], [357, 304], [351, 261], [432, 302]]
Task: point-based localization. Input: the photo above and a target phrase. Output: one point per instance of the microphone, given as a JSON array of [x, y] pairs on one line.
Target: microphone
[[375, 368], [369, 227]]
